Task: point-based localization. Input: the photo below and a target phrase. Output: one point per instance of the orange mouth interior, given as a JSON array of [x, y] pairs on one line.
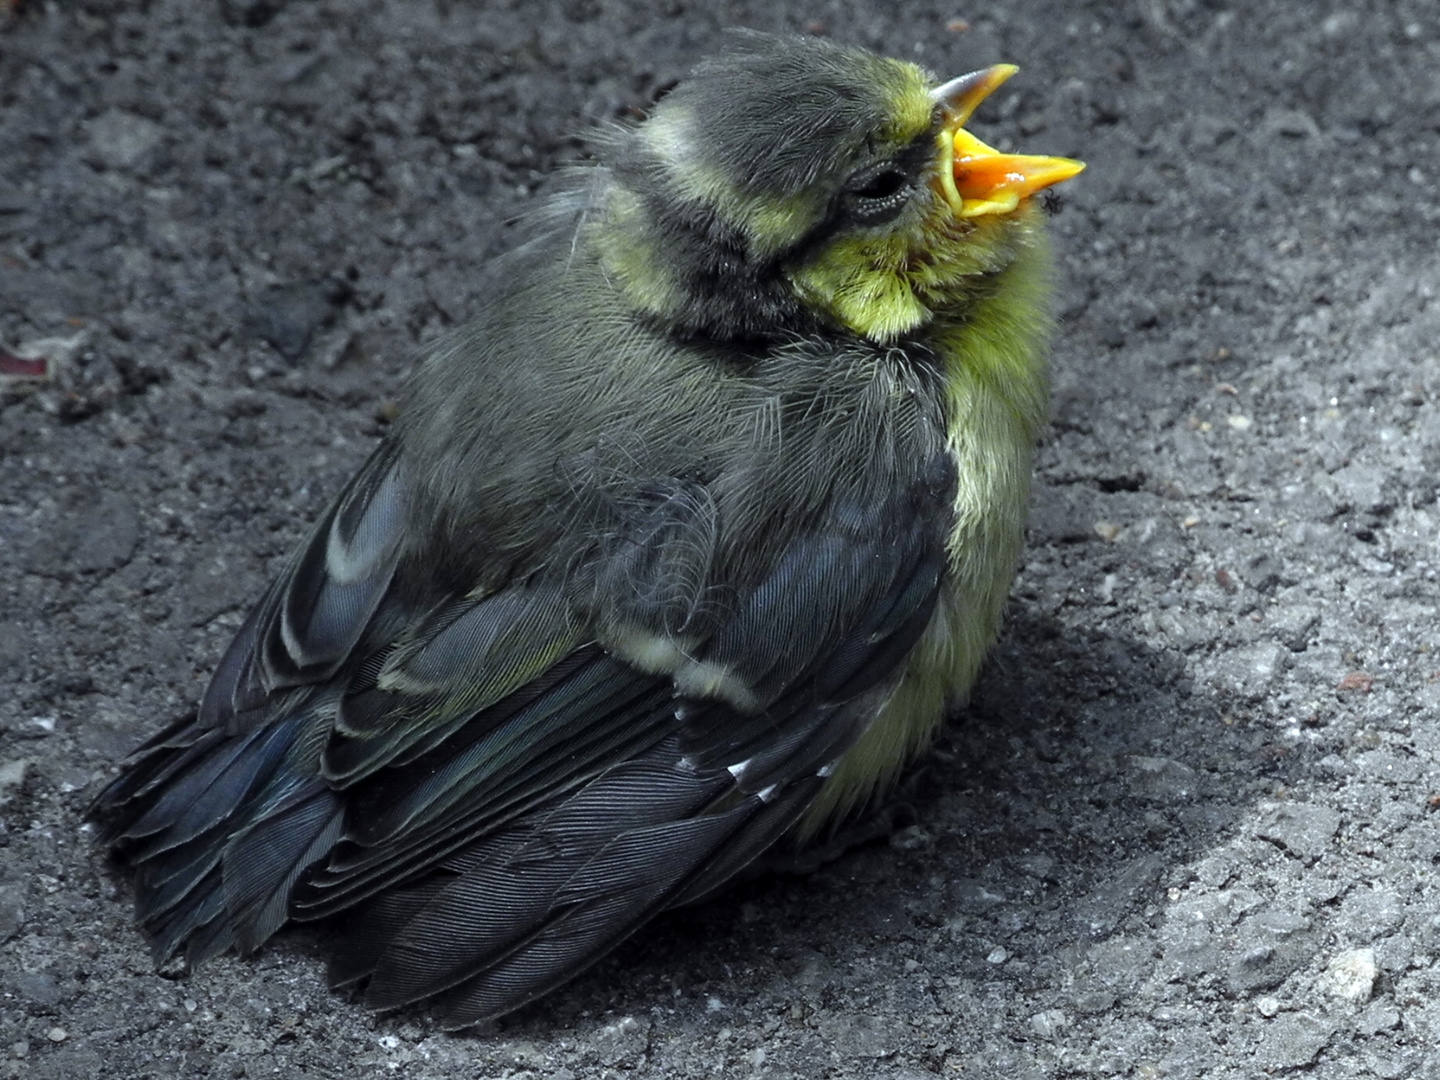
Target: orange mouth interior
[[977, 179]]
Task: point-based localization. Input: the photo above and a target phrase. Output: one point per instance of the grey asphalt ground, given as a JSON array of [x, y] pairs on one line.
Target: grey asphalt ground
[[1187, 828]]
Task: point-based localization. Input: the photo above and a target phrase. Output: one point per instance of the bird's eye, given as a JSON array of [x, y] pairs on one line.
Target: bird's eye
[[882, 185], [878, 194]]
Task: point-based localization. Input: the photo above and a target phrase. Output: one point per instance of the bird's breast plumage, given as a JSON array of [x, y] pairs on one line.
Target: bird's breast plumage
[[991, 353]]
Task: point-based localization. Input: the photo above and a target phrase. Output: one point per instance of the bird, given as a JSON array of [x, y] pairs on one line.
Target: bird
[[672, 558]]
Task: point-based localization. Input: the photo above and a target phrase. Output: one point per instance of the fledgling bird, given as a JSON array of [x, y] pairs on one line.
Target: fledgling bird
[[682, 547]]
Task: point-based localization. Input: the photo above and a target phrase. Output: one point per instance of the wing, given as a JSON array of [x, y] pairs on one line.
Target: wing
[[497, 786]]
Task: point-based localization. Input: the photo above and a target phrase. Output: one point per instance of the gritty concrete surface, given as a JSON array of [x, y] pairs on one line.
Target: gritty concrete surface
[[1189, 825]]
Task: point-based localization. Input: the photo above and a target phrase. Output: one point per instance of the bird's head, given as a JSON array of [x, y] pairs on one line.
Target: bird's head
[[794, 183]]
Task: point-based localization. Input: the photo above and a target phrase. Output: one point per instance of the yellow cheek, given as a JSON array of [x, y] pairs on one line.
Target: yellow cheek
[[863, 283], [885, 286]]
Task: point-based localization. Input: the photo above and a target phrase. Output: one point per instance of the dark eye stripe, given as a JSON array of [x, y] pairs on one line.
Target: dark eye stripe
[[912, 163]]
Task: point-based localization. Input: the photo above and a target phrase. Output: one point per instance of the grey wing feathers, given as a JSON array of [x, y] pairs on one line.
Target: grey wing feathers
[[470, 781], [311, 619]]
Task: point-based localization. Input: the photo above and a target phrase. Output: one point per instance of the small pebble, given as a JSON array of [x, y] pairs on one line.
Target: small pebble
[[1049, 1023], [57, 1034], [911, 838], [1352, 975], [12, 779], [1356, 680]]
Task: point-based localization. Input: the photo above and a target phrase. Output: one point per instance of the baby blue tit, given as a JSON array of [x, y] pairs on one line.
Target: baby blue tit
[[681, 548]]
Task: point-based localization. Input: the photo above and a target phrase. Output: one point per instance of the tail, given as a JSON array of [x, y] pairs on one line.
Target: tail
[[220, 829]]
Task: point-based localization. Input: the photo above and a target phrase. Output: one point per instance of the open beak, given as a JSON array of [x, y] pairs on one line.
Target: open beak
[[977, 179]]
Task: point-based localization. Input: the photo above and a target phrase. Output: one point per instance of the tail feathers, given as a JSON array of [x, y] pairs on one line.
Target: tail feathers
[[220, 843], [193, 925], [263, 864], [201, 799], [163, 883], [149, 767]]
